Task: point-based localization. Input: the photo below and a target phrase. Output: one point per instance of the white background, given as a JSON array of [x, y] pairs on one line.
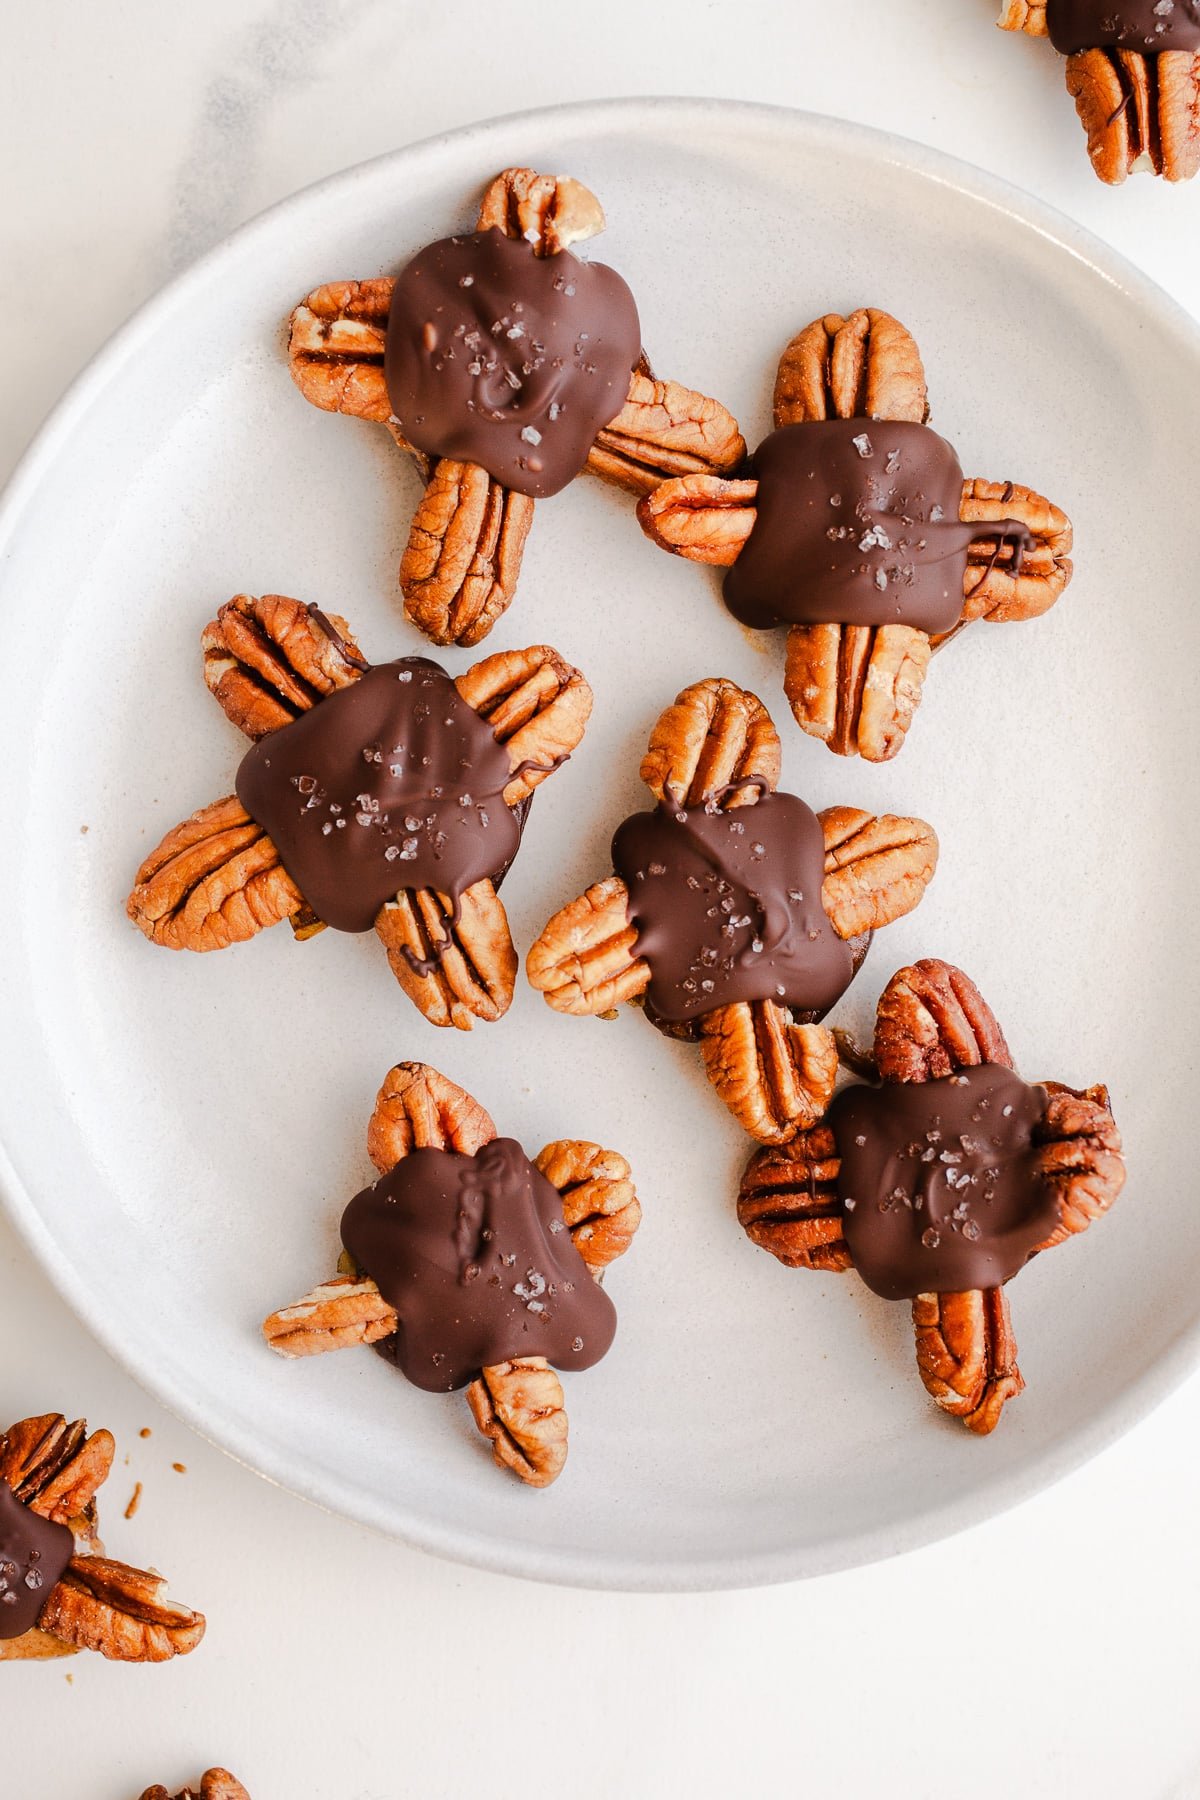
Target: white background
[[1052, 1652]]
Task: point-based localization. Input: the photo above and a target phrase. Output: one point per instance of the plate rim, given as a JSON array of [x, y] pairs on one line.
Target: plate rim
[[482, 1549]]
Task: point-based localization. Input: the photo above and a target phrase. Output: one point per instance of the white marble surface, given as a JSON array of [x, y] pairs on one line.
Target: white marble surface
[[1051, 1653]]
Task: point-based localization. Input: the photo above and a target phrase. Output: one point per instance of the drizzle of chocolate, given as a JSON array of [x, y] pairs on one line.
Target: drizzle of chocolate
[[939, 1187], [511, 360], [473, 1253], [857, 523], [1143, 25], [345, 649], [391, 784], [727, 906], [34, 1553]]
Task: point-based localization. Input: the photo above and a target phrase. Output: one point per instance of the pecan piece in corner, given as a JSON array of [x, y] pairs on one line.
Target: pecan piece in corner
[[1138, 110], [336, 345], [268, 660], [932, 1021], [775, 1076], [601, 1209], [418, 1108], [788, 1202], [876, 869], [518, 1406], [991, 588], [56, 1468], [1079, 1154], [460, 569], [215, 1784], [864, 366], [585, 961], [122, 1612], [454, 970], [700, 517], [537, 704], [215, 880], [967, 1355], [551, 212], [665, 431], [1024, 15], [856, 687], [715, 744]]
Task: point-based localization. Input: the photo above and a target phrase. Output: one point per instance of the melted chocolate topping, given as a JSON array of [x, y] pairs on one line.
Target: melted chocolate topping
[[34, 1552], [727, 906], [1144, 25], [939, 1188], [473, 1253], [514, 361], [392, 783], [857, 523]]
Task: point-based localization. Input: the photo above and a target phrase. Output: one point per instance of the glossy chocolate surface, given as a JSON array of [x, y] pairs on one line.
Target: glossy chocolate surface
[[939, 1186], [473, 1253], [727, 906], [507, 359], [389, 784]]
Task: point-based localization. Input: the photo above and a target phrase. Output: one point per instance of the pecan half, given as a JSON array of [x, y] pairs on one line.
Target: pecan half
[[990, 588], [462, 562], [467, 966], [519, 1407], [932, 1020], [215, 1784], [418, 1108], [342, 1312], [1079, 1154], [54, 1468], [537, 704], [551, 212], [336, 343], [665, 430], [967, 1354], [700, 517], [863, 366], [268, 660], [600, 1206], [123, 1613], [215, 880], [716, 743], [788, 1202], [585, 962], [856, 687], [1024, 15], [876, 869], [1138, 108], [775, 1076]]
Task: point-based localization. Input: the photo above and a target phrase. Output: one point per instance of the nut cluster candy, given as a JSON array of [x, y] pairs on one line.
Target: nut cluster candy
[[858, 532], [383, 796], [1133, 71], [469, 1266], [505, 366], [940, 1183], [58, 1591], [736, 916]]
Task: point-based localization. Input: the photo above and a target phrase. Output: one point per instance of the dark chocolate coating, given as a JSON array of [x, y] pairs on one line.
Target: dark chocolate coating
[[939, 1188], [1143, 25], [392, 783], [727, 906], [507, 359], [34, 1553], [473, 1253], [857, 523]]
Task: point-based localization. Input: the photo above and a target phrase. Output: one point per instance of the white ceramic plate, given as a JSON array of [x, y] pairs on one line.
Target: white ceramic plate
[[182, 1132]]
